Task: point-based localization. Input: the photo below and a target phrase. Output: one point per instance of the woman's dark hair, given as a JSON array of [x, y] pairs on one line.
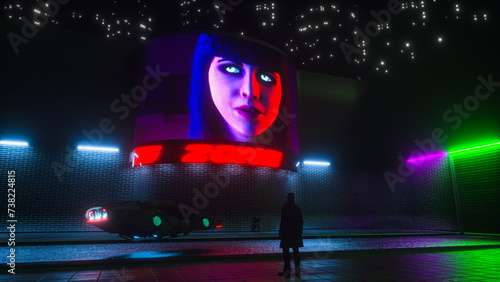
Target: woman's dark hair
[[205, 121]]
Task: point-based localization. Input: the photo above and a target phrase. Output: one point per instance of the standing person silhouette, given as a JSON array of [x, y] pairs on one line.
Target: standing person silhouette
[[291, 234]]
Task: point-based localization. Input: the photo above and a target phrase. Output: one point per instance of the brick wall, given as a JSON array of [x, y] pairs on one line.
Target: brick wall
[[47, 201]]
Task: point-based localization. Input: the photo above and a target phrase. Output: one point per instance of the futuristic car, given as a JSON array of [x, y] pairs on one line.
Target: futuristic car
[[137, 221]]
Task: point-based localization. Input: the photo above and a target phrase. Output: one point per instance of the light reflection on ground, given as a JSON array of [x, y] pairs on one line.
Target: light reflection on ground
[[61, 253], [157, 254]]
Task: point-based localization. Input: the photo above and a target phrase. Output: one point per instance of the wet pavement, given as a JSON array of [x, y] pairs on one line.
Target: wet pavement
[[328, 255], [182, 250], [465, 265], [104, 237]]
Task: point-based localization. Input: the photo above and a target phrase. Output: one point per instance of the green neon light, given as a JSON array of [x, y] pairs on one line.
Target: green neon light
[[206, 222], [157, 220], [475, 148]]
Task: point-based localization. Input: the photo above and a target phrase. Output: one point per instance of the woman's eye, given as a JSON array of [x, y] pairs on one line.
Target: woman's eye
[[267, 78], [232, 70]]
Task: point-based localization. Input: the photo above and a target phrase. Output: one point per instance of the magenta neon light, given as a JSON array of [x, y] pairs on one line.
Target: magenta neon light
[[426, 157]]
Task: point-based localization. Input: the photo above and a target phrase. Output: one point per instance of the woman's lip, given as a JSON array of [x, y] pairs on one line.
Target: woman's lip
[[248, 113], [249, 109]]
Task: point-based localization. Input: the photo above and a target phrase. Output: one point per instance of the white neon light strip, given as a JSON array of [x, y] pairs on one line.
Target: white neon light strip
[[17, 143], [90, 148], [316, 163], [297, 164]]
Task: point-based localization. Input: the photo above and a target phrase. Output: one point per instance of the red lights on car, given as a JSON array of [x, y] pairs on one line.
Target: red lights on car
[[96, 214]]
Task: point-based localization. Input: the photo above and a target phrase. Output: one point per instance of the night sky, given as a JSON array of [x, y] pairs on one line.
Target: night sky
[[310, 32], [417, 65]]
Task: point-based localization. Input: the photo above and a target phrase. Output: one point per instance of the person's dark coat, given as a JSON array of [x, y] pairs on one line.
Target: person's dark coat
[[291, 226]]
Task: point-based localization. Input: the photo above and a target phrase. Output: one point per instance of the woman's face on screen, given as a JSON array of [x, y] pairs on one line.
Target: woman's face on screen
[[247, 96]]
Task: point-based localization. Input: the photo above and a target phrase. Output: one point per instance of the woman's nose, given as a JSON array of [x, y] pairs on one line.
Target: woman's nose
[[250, 87]]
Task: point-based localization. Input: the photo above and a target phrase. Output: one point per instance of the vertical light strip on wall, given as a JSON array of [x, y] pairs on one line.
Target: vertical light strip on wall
[[455, 193]]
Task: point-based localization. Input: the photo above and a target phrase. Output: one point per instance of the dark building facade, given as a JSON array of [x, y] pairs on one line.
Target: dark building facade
[[53, 93]]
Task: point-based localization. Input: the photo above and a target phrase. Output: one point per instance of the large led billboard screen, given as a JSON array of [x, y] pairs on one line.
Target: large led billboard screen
[[222, 98]]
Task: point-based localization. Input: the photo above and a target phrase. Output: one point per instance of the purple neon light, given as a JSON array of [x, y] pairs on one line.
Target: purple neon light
[[427, 157]]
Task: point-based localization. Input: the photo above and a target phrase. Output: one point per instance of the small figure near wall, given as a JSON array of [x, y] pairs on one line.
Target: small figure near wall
[[256, 224]]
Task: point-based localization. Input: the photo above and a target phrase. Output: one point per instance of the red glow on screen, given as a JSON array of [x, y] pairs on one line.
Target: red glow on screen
[[147, 154], [230, 154], [218, 226], [199, 153]]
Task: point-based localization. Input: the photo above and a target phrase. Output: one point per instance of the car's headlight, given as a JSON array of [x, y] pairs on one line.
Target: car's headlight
[[96, 214]]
